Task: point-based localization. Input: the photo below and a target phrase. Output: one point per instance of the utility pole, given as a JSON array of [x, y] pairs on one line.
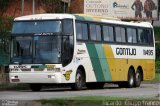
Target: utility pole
[[33, 6], [64, 7], [22, 11]]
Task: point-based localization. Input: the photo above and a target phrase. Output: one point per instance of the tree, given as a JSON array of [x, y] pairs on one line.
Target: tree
[[53, 6], [3, 6], [159, 5]]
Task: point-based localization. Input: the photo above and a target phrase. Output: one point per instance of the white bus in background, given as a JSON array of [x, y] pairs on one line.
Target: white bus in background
[[80, 50]]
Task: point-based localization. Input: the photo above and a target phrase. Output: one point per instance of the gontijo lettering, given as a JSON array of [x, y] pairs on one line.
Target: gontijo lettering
[[125, 51]]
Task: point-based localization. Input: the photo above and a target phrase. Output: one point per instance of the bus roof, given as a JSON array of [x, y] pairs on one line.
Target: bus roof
[[44, 17], [83, 17], [111, 20]]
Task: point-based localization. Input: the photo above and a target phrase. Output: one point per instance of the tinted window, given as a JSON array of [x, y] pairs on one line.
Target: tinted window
[[108, 33], [68, 26], [142, 38], [37, 27], [120, 34], [98, 32], [131, 35], [134, 34], [85, 31], [79, 30], [92, 29], [150, 36]]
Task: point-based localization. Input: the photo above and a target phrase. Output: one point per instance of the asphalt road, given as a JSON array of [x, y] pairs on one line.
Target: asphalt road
[[145, 91]]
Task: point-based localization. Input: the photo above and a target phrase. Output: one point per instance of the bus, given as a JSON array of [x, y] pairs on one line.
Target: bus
[[80, 50]]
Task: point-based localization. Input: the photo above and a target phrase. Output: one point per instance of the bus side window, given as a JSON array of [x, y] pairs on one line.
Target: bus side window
[[131, 35], [120, 34], [85, 32], [108, 33], [150, 36], [79, 31], [98, 32], [68, 26], [142, 38], [92, 29]]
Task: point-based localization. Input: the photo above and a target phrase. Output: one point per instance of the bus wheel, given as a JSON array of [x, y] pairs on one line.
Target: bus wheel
[[96, 85], [138, 79], [79, 81], [131, 79], [35, 87]]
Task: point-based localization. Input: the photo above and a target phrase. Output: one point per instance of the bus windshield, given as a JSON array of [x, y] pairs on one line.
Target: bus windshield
[[36, 26], [37, 49], [47, 49], [41, 42], [22, 49]]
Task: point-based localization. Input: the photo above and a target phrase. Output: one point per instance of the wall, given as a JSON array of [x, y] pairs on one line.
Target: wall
[[76, 6]]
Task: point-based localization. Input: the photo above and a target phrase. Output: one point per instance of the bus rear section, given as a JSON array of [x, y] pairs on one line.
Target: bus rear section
[[118, 52]]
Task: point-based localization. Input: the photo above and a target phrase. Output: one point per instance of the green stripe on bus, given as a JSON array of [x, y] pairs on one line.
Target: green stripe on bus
[[88, 18], [103, 62], [79, 17], [39, 66], [95, 62], [83, 18], [99, 62]]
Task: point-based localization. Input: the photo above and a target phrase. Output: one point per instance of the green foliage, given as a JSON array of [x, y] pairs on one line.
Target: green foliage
[[157, 33], [5, 28], [157, 51], [3, 5], [90, 101], [159, 5], [158, 66]]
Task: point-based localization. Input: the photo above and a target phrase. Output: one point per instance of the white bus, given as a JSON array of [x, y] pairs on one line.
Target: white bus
[[80, 50]]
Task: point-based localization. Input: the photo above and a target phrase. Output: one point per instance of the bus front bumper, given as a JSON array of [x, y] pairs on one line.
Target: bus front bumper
[[35, 77]]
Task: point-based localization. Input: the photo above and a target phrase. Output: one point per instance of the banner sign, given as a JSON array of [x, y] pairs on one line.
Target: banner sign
[[123, 9]]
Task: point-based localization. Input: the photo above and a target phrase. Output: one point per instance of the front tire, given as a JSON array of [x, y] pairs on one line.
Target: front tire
[[79, 81]]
